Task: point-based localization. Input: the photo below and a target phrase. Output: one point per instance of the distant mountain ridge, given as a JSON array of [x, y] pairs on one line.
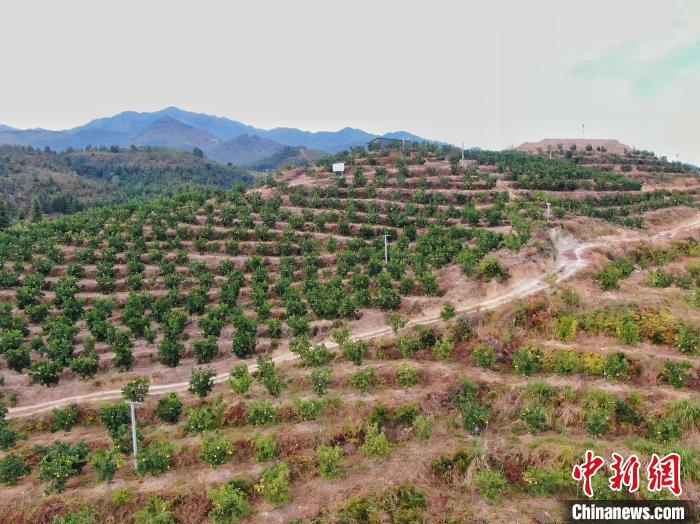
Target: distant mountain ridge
[[178, 129]]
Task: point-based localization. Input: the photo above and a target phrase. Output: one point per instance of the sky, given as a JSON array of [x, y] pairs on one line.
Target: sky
[[491, 74]]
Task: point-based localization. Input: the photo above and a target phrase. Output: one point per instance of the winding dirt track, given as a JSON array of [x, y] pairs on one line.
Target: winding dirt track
[[569, 261]]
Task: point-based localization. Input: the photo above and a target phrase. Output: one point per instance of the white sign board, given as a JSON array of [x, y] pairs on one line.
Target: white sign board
[[339, 167]]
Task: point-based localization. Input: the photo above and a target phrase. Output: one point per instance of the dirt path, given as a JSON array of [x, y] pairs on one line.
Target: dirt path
[[569, 261]]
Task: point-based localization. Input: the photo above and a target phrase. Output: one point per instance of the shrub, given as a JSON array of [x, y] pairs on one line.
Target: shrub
[[448, 311], [565, 327], [676, 372], [156, 511], [407, 376], [202, 381], [156, 458], [363, 379], [114, 416], [64, 419], [376, 445], [261, 412], [265, 447], [540, 482], [484, 356], [609, 276], [355, 351], [268, 376], [240, 379], [566, 362], [12, 469], [490, 268], [76, 516], [489, 484], [136, 389], [228, 504], [321, 380], [208, 417], [328, 459], [170, 352], [443, 349], [105, 462], [44, 372], [536, 417], [169, 408], [422, 427], [274, 484], [687, 340], [216, 449], [60, 462], [615, 366], [407, 345], [527, 360], [205, 349]]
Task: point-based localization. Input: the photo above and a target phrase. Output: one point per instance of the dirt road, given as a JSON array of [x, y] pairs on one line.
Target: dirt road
[[569, 261]]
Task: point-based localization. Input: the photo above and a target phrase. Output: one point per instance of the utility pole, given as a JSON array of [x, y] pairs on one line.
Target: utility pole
[[386, 249], [462, 150], [547, 212], [133, 433], [583, 130], [676, 157]]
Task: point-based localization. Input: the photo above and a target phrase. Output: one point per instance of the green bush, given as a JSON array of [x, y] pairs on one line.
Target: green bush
[[156, 511], [676, 372], [267, 374], [265, 447], [687, 340], [565, 327], [202, 381], [484, 356], [64, 419], [608, 278], [422, 427], [274, 484], [105, 462], [12, 469], [261, 412], [443, 348], [169, 408], [207, 417], [448, 311], [328, 459], [540, 482], [615, 366], [407, 376], [60, 462], [229, 504], [321, 380], [489, 484], [216, 449], [527, 360], [136, 389], [240, 380], [363, 379], [156, 458], [376, 445]]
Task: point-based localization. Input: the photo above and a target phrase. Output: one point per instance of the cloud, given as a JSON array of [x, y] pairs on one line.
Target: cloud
[[646, 76]]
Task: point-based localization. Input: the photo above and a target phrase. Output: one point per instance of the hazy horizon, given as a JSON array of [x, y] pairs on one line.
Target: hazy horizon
[[477, 73]]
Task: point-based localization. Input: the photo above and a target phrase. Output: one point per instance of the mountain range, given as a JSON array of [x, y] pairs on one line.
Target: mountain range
[[220, 138]]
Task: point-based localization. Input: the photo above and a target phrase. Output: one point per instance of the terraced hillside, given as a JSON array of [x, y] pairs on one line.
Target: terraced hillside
[[423, 338]]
